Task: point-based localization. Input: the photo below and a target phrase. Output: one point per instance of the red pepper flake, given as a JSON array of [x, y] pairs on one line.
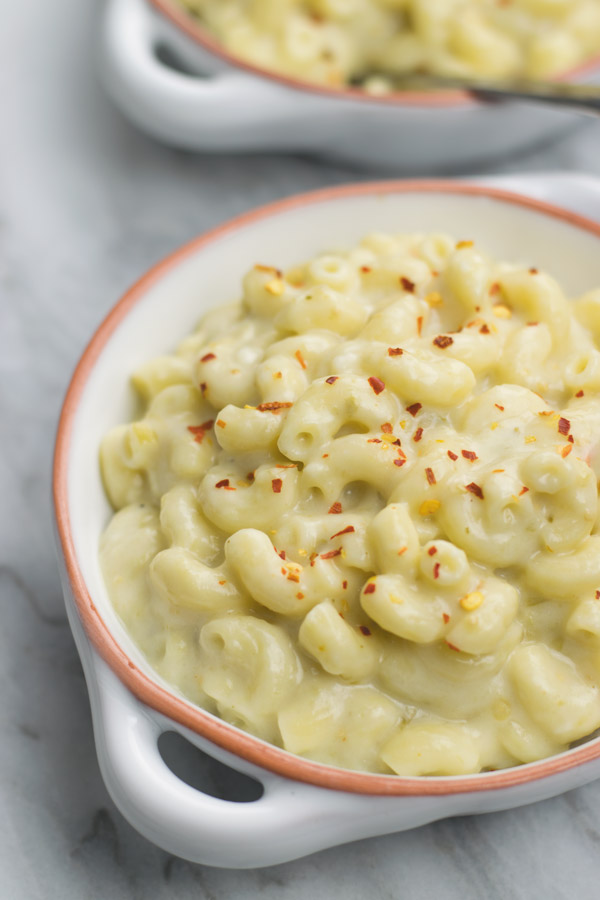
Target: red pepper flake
[[332, 379], [494, 289], [436, 570], [469, 454], [300, 359], [292, 576], [419, 325], [397, 443], [432, 551], [312, 558], [414, 408], [597, 595], [273, 407], [501, 408], [565, 451], [407, 284], [331, 553], [366, 269], [443, 340], [564, 426], [348, 530], [250, 476], [374, 441], [221, 423], [299, 596], [446, 617], [532, 324], [224, 483], [370, 588], [484, 329], [203, 388], [387, 428], [207, 357], [402, 551], [524, 490], [282, 554], [430, 476], [452, 455], [200, 430], [366, 631], [418, 435], [571, 439], [579, 394], [345, 585], [325, 455], [452, 646], [335, 508], [290, 466], [399, 462], [276, 484], [533, 271], [474, 489], [395, 351], [377, 384]]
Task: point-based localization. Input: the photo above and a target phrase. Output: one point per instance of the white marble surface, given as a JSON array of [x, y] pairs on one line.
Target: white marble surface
[[86, 204]]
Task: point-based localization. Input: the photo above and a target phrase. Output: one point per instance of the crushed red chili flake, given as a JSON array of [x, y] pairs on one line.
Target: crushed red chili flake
[[452, 455], [524, 490], [203, 387], [432, 551], [501, 408], [399, 462], [277, 484], [579, 394], [344, 585], [377, 384], [312, 558], [366, 631], [282, 554], [453, 646], [533, 271], [407, 284], [532, 324], [387, 428], [430, 476], [436, 570], [571, 439], [222, 581], [207, 357], [474, 489], [370, 588], [564, 426], [290, 466], [397, 443], [419, 325], [200, 430], [446, 617], [273, 407], [418, 435], [484, 329], [374, 441], [348, 530], [597, 595], [292, 576], [331, 553], [300, 359], [443, 340], [299, 596], [224, 483], [414, 408], [221, 423], [494, 288], [332, 379], [250, 476], [469, 454], [395, 351], [335, 508], [366, 269]]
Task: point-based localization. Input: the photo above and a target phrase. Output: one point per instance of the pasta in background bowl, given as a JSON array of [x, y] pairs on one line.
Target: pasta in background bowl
[[478, 584]]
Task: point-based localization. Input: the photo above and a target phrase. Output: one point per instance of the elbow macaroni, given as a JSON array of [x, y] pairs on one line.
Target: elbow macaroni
[[371, 42], [359, 515]]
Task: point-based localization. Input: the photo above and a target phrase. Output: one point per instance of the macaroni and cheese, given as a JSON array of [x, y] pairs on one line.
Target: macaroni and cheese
[[370, 42], [357, 515]]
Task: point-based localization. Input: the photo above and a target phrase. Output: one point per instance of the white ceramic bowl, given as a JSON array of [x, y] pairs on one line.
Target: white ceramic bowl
[[236, 107], [305, 806]]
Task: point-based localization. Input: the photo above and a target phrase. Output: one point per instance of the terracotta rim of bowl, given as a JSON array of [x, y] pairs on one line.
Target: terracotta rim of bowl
[[183, 20], [185, 713]]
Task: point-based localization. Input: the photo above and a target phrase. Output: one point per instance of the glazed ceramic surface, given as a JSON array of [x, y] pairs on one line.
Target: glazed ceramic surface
[[223, 104], [305, 806]]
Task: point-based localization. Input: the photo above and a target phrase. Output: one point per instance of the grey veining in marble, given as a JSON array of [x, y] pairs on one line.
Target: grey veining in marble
[[86, 205]]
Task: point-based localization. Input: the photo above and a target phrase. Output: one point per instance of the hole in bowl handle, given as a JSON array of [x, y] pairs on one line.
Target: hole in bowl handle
[[231, 110]]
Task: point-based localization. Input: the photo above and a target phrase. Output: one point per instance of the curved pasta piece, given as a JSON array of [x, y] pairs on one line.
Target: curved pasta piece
[[322, 307], [395, 540], [247, 430], [187, 584], [403, 610], [538, 297], [433, 748], [340, 648], [482, 629], [425, 377], [184, 524], [232, 503], [250, 669], [566, 574]]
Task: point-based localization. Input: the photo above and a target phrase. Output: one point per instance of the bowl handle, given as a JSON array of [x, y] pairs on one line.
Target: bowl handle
[[230, 109]]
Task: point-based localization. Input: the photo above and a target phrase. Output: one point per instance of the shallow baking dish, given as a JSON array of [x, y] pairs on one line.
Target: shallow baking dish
[[236, 107], [305, 806]]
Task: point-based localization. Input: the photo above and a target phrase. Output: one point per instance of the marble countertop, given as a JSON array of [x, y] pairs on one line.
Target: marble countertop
[[86, 205]]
